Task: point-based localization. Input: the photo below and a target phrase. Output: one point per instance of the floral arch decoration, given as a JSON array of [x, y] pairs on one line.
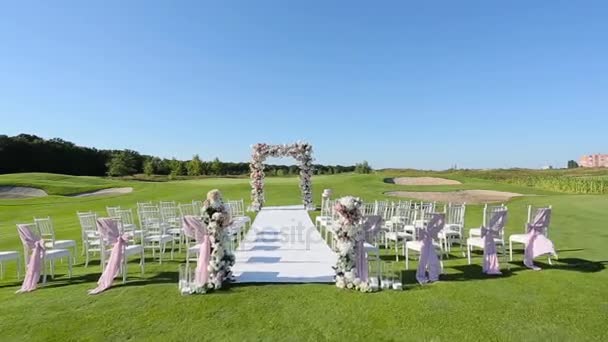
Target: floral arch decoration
[[300, 151]]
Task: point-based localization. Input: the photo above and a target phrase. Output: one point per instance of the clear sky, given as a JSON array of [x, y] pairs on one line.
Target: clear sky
[[423, 84]]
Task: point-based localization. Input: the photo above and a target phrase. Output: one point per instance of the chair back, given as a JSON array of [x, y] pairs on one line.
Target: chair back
[[497, 221], [167, 204], [436, 223], [169, 213], [88, 224], [234, 207], [45, 229], [198, 206], [151, 220], [113, 211], [541, 220], [187, 210], [144, 204], [454, 214], [28, 235], [488, 210], [194, 228], [108, 229], [371, 226], [533, 211]]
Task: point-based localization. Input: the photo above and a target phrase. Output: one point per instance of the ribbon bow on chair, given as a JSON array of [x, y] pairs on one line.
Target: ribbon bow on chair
[[194, 228], [428, 256], [108, 230], [370, 227], [490, 256], [34, 265], [538, 243]]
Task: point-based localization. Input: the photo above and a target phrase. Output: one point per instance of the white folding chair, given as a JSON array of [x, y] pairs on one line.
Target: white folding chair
[[488, 210], [454, 226], [90, 235], [154, 232], [127, 224], [50, 254], [402, 231], [44, 227], [523, 238], [132, 249], [478, 241], [416, 245]]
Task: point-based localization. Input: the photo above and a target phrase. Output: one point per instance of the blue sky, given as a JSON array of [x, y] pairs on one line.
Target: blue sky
[[398, 83]]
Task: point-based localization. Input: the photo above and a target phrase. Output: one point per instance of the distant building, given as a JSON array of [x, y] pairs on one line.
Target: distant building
[[594, 160]]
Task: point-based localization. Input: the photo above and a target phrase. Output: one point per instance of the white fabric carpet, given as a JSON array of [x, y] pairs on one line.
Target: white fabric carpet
[[283, 246]]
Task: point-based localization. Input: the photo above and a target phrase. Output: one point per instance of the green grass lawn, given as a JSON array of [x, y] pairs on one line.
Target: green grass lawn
[[565, 302]]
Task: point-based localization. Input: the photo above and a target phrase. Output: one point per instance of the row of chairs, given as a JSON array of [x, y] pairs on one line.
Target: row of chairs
[[404, 219], [158, 225]]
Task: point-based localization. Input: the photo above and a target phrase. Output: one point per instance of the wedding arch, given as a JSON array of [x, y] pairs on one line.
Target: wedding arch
[[300, 151]]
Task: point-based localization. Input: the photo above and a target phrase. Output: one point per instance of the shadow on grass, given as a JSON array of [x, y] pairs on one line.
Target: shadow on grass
[[569, 264]]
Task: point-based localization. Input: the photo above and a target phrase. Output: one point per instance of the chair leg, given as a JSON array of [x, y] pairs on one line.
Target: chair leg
[[142, 261], [407, 258], [1, 270], [396, 250], [69, 267], [510, 250], [172, 248], [469, 253], [124, 270], [163, 248]]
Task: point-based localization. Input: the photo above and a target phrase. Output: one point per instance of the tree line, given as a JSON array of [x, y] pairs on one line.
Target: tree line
[[30, 153]]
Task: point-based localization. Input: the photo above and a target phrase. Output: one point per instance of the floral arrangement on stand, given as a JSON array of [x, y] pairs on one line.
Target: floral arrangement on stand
[[216, 217], [300, 151], [348, 232]]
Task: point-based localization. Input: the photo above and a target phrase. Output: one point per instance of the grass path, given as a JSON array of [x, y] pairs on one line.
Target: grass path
[[566, 302]]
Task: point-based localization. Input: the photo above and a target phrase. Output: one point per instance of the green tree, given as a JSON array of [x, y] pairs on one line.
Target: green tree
[[363, 167], [177, 168], [572, 164], [122, 163], [149, 167], [195, 166], [216, 167]]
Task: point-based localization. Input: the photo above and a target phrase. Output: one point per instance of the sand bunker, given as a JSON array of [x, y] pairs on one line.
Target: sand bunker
[[423, 181], [20, 192], [110, 191], [461, 196]]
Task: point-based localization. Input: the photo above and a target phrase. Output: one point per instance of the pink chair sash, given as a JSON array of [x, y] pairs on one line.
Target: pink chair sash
[[194, 228], [108, 231], [370, 227], [429, 262], [490, 255], [538, 244], [36, 244]]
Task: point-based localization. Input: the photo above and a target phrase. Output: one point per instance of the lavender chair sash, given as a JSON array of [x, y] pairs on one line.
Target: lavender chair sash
[[194, 228], [538, 244], [108, 231], [34, 265], [428, 256], [490, 255], [370, 227]]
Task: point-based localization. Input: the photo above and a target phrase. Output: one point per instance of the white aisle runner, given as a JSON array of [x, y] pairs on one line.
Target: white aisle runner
[[283, 246]]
